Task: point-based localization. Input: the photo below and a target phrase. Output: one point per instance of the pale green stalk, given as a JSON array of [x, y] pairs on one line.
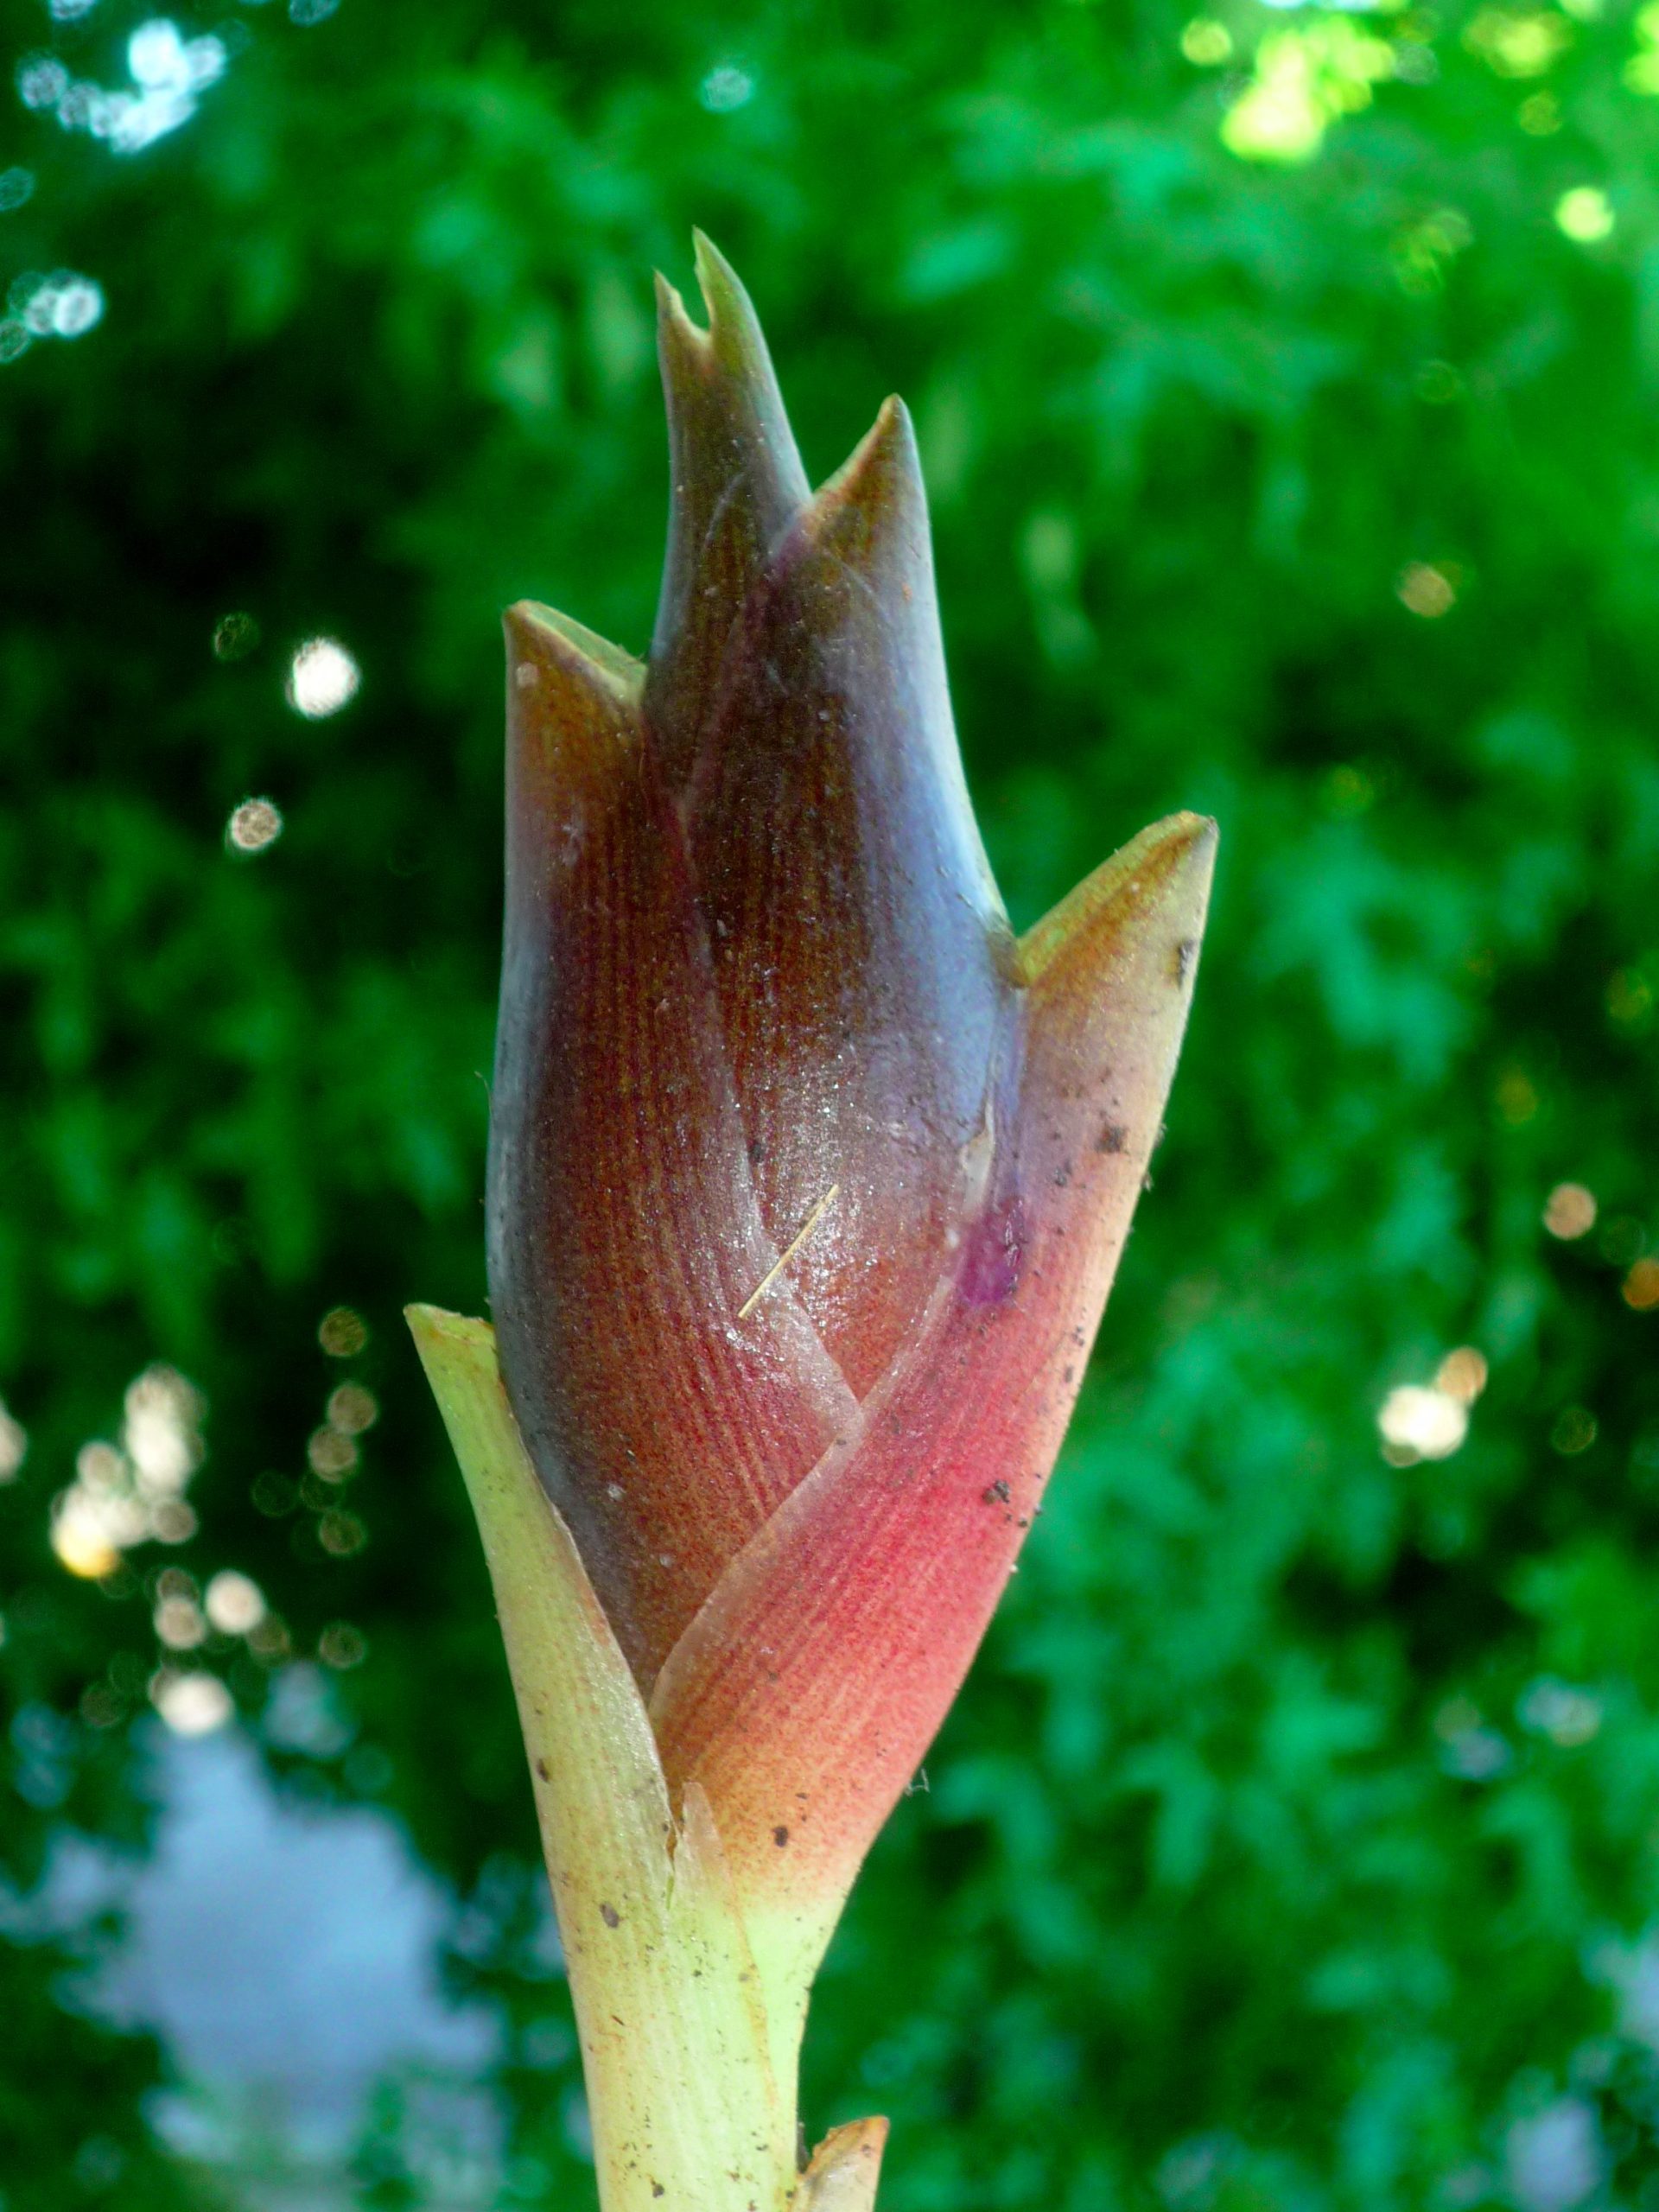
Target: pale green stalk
[[692, 2110]]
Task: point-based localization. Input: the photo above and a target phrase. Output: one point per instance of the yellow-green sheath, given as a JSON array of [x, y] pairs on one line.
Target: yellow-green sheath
[[691, 2110]]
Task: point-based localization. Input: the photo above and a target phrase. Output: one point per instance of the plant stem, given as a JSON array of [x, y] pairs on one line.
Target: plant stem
[[688, 2109]]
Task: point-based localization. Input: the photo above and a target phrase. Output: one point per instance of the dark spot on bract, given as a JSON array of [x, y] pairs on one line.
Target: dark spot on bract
[[610, 1916], [998, 1493], [543, 1770], [994, 1254], [1112, 1137], [781, 1837]]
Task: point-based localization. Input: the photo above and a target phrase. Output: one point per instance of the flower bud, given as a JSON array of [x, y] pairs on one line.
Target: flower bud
[[808, 1180]]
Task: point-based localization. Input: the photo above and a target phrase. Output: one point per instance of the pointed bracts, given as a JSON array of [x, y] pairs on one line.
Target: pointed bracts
[[737, 484], [807, 1181]]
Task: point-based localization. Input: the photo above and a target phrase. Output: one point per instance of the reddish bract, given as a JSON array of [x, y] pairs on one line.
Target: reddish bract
[[807, 1181]]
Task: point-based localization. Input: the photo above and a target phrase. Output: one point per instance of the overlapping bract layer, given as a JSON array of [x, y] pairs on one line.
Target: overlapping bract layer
[[807, 1182]]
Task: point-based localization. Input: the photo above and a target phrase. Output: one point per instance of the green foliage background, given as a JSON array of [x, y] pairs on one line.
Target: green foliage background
[[1206, 1905]]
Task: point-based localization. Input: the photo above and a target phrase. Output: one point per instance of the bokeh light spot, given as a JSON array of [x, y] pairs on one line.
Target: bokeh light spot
[[1555, 1709], [1422, 1423], [1516, 1097], [1642, 70], [269, 1639], [42, 80], [1470, 1750], [181, 1624], [351, 1409], [63, 305], [79, 1536], [1347, 791], [331, 1454], [1423, 250], [342, 1333], [1462, 1375], [341, 1645], [129, 1494], [1574, 1431], [726, 88], [173, 1522], [102, 1706], [167, 72], [1621, 1238], [77, 305], [1305, 80], [1629, 997], [1207, 43], [1570, 1211], [274, 1495], [235, 636], [234, 1603], [341, 1534], [1584, 214], [323, 678], [159, 1433], [253, 825], [1518, 43], [1438, 384], [1426, 590], [1641, 1287], [192, 1703], [14, 1445], [1554, 2159]]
